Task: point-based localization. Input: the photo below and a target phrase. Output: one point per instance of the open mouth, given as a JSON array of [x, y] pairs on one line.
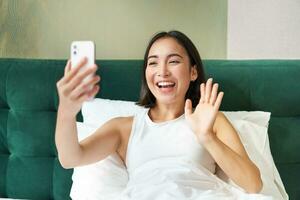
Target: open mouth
[[165, 84]]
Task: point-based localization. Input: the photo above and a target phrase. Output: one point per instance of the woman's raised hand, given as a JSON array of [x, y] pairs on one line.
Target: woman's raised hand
[[204, 116], [74, 89]]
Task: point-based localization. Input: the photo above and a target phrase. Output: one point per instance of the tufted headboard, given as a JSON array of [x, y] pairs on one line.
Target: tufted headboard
[[29, 167]]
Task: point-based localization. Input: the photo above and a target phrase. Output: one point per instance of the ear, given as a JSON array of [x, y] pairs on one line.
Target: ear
[[194, 73]]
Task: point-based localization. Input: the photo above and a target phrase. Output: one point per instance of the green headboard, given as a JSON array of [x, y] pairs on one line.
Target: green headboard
[[29, 167]]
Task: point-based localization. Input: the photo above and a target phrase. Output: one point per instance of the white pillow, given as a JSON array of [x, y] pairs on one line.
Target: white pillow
[[97, 111], [251, 126], [254, 137]]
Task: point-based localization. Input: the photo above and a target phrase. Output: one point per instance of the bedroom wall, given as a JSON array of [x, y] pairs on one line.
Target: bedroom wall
[[266, 29], [120, 29]]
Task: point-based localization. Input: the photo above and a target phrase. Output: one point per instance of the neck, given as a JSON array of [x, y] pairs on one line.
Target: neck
[[161, 112]]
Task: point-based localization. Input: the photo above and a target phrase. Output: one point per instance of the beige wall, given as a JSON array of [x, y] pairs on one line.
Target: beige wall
[[120, 28], [267, 29]]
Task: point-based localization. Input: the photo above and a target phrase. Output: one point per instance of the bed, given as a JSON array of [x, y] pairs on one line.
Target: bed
[[29, 168]]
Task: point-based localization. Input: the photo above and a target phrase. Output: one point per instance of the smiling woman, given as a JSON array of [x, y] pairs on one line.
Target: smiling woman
[[183, 53], [167, 64], [180, 135], [172, 74]]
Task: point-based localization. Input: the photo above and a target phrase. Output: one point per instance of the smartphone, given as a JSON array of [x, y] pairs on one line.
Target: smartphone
[[80, 49]]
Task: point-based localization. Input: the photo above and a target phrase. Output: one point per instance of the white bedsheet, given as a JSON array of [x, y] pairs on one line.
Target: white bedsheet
[[160, 180]]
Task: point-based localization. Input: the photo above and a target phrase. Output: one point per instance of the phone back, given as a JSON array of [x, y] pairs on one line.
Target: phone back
[[80, 49]]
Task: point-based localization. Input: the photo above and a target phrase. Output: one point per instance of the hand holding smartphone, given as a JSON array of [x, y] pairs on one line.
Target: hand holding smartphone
[[81, 50]]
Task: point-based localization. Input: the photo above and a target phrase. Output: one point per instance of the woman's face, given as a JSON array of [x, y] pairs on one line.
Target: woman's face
[[168, 71]]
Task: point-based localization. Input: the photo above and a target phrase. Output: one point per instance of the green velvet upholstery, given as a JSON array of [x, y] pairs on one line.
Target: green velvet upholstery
[[28, 103]]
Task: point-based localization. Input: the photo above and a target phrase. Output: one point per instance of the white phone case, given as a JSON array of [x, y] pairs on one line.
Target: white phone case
[[80, 49]]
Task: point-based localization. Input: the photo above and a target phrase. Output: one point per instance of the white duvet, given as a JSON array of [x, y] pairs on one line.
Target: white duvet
[[162, 179], [176, 179]]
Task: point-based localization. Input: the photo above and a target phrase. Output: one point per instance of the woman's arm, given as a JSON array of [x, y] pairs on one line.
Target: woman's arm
[[99, 145], [73, 91], [226, 148], [105, 141], [217, 135]]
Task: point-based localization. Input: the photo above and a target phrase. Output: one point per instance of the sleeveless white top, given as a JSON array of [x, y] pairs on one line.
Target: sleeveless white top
[[165, 161], [169, 142]]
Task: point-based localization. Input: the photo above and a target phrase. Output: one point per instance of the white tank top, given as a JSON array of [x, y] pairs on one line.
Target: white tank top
[[165, 161], [150, 142]]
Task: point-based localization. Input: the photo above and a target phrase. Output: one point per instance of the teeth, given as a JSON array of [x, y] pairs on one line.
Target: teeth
[[165, 83]]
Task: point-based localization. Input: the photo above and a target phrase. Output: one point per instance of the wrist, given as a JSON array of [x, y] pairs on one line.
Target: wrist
[[208, 140], [65, 114]]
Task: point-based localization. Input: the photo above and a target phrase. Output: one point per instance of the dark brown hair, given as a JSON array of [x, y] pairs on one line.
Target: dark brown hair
[[147, 99]]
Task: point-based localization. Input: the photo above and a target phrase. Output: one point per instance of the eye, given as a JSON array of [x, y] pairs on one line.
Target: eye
[[174, 61], [152, 63]]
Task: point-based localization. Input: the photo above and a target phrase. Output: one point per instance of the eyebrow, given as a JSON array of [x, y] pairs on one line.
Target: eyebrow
[[170, 55]]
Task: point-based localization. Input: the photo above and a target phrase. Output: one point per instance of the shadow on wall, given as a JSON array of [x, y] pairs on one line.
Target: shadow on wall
[[16, 31], [46, 28]]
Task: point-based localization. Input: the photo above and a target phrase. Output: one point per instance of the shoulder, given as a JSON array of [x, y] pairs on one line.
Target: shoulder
[[122, 119], [117, 125], [121, 123]]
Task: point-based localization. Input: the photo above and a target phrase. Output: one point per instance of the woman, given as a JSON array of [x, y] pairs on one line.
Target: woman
[[177, 124]]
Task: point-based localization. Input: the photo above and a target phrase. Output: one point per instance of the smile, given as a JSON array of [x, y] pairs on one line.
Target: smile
[[165, 84]]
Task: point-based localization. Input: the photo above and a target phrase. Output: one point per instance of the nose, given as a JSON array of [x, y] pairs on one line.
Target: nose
[[163, 71]]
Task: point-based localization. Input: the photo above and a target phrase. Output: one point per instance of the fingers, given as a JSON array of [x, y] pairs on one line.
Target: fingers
[[188, 107], [77, 80], [70, 72], [74, 70], [202, 93], [208, 89], [214, 93], [89, 95], [84, 87], [209, 93], [218, 101], [79, 77], [68, 67]]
